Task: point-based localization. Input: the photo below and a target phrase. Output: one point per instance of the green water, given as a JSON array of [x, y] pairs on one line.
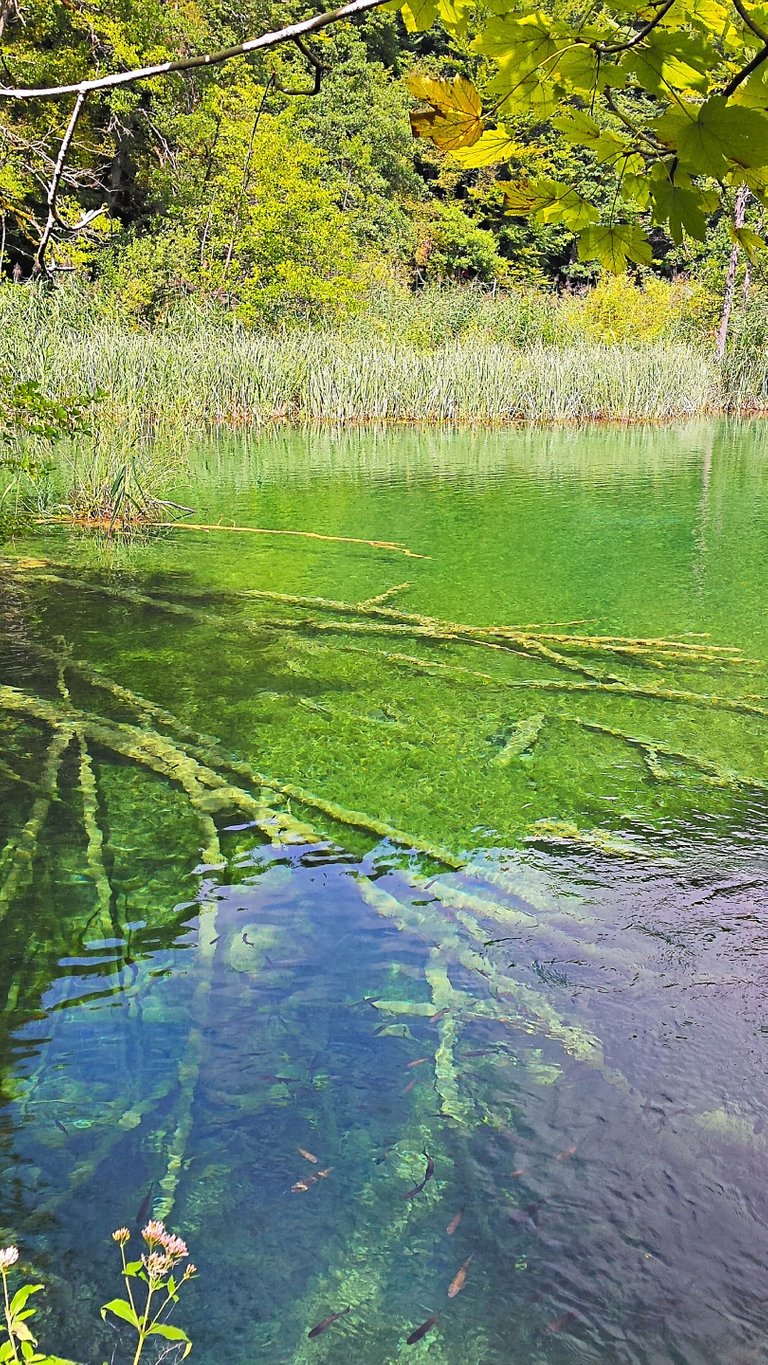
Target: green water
[[581, 986]]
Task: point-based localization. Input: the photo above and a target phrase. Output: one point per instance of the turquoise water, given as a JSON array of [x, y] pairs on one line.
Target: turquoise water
[[561, 925]]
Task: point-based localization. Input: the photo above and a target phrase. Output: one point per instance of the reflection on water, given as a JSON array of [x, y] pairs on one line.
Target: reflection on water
[[573, 1032]]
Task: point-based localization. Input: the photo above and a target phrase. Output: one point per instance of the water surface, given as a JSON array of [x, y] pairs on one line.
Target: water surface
[[582, 987]]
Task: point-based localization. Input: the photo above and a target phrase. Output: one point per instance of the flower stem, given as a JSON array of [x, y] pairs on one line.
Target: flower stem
[[11, 1336]]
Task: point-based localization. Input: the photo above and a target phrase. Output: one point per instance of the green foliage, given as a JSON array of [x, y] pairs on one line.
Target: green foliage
[[450, 246], [677, 100], [152, 1292]]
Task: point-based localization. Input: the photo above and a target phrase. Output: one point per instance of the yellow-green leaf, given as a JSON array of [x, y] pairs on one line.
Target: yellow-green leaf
[[494, 146], [454, 118], [419, 15], [751, 242], [613, 245]]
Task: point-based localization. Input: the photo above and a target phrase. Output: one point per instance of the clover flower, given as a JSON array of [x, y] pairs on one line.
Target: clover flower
[[121, 1235], [8, 1257]]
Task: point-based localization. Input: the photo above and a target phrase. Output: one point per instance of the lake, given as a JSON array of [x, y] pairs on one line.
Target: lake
[[451, 860]]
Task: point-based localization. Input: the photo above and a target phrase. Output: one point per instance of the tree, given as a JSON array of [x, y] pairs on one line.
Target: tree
[[669, 98]]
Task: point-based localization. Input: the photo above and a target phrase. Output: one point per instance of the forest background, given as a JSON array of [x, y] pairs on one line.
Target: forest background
[[231, 187]]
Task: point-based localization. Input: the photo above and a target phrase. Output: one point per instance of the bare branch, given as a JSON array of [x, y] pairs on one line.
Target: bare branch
[[265, 41], [751, 23], [606, 49], [58, 171], [317, 66]]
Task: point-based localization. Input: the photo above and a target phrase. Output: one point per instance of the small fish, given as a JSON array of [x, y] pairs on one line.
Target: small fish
[[459, 1279], [430, 1171], [484, 1052], [321, 1175], [419, 1062], [275, 1080], [320, 1327], [302, 1151], [420, 1332], [247, 941], [409, 1087], [215, 940], [523, 1217], [454, 1223], [557, 1324], [518, 1172], [433, 1018], [566, 1153], [60, 1126], [145, 1206]]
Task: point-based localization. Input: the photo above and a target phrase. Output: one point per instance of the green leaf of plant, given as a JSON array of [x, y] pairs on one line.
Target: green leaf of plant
[[121, 1309], [612, 245], [683, 208], [711, 137], [494, 146], [162, 1329], [666, 59], [519, 46], [751, 242], [20, 1297], [551, 201]]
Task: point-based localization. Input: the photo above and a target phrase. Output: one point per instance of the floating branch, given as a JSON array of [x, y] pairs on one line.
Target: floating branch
[[111, 524]]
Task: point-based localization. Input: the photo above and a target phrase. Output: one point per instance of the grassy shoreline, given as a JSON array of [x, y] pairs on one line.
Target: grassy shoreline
[[196, 370]]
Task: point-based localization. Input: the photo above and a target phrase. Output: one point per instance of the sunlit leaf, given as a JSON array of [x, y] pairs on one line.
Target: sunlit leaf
[[455, 116], [681, 206], [419, 15], [709, 137], [494, 146], [20, 1297], [120, 1309], [550, 201], [613, 245], [751, 242], [172, 1334]]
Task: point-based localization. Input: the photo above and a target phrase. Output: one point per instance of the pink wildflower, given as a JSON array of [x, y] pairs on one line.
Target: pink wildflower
[[154, 1231], [157, 1265], [173, 1247], [8, 1257]]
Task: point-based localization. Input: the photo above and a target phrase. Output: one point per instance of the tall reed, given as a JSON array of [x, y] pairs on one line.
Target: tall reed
[[198, 369]]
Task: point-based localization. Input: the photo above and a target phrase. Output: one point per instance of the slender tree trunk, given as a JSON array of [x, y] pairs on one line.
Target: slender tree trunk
[[740, 214]]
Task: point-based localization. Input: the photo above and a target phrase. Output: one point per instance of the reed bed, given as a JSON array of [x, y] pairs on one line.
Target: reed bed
[[209, 372]]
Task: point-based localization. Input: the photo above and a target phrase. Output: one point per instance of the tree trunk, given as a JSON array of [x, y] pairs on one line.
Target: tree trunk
[[739, 215]]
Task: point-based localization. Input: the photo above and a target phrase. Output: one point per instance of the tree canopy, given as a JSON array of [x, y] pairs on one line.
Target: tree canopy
[[614, 121]]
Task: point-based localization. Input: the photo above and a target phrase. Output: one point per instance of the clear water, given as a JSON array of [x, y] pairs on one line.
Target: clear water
[[592, 1090]]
